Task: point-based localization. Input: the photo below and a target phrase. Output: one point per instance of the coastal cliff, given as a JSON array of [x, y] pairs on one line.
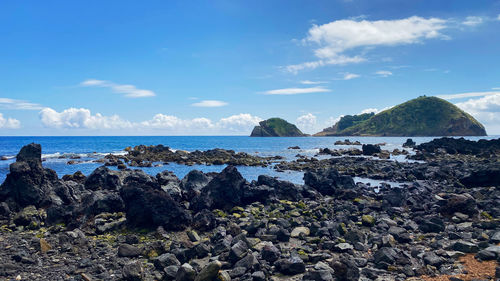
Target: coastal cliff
[[423, 116]]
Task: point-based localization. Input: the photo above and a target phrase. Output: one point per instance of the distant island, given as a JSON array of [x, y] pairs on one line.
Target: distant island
[[276, 127], [423, 116]]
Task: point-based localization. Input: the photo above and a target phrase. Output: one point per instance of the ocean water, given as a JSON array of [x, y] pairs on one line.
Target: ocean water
[[92, 148]]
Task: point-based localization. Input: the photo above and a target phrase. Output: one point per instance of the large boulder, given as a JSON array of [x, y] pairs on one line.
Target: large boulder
[[223, 192], [463, 203], [30, 152], [193, 182], [102, 202], [103, 178], [483, 177], [370, 149], [328, 181], [149, 207], [281, 189], [28, 183], [170, 184]]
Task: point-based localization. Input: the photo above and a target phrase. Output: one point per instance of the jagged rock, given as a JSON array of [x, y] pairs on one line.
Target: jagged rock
[[486, 255], [165, 260], [465, 247], [126, 250], [193, 182], [249, 262], [133, 271], [384, 256], [270, 253], [185, 273], [280, 189], [291, 266], [327, 182], [433, 259], [204, 220], [28, 183], [370, 149], [409, 143], [170, 184], [318, 275], [77, 177], [170, 272], [238, 251], [102, 201], [209, 272], [223, 192], [431, 224], [463, 203], [149, 207], [483, 177], [30, 152], [103, 178], [346, 270]]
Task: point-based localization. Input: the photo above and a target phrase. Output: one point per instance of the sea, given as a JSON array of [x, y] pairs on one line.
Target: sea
[[57, 151]]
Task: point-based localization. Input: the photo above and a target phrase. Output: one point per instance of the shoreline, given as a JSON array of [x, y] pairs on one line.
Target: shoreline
[[127, 225]]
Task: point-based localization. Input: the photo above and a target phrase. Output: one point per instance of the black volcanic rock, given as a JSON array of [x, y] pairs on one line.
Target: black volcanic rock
[[370, 149], [328, 182], [224, 191], [150, 208], [32, 151], [28, 183], [193, 182], [484, 177], [461, 146], [103, 178]]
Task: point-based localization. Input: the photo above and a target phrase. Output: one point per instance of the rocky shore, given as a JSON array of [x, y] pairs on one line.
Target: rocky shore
[[155, 155], [127, 225]]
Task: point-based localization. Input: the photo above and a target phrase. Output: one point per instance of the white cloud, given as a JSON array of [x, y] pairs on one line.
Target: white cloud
[[485, 109], [240, 122], [333, 120], [489, 103], [81, 118], [9, 123], [297, 91], [129, 91], [369, 110], [383, 73], [307, 123], [498, 17], [468, 95], [349, 76], [309, 82], [334, 39], [473, 21], [339, 60], [7, 103], [210, 103]]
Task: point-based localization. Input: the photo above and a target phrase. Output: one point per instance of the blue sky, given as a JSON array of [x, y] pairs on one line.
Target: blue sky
[[219, 67]]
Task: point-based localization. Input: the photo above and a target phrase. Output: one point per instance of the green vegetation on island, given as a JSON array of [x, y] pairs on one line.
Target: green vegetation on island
[[423, 116], [276, 127]]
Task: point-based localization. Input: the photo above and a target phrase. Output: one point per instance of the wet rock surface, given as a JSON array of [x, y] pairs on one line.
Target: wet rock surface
[[127, 225]]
